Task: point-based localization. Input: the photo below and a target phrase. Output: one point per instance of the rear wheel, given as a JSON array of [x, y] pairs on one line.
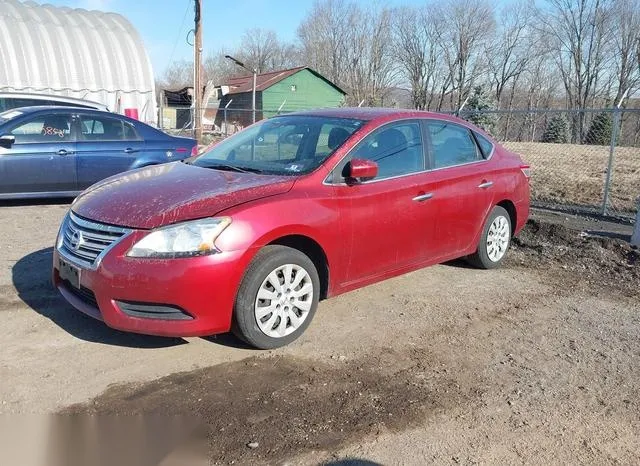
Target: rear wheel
[[494, 241], [277, 298]]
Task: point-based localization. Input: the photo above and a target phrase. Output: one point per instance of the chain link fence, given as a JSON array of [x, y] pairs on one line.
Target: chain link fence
[[586, 161], [216, 122]]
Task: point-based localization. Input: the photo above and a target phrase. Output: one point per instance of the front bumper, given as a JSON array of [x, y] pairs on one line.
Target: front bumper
[[202, 288]]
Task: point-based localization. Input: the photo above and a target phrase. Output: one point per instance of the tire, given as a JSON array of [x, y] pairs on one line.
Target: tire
[[492, 251], [273, 318]]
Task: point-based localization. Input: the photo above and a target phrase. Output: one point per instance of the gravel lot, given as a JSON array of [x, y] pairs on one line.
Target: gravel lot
[[538, 362]]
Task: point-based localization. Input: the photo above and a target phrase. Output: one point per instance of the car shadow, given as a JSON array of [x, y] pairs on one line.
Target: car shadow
[[32, 280], [229, 340], [459, 263]]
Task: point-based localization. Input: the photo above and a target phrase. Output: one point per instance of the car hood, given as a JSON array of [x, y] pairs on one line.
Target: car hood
[[164, 194]]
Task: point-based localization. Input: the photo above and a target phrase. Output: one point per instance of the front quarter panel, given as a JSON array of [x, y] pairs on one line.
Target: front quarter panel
[[309, 212]]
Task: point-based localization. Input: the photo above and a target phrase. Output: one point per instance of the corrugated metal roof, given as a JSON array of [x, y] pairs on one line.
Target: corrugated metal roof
[[243, 84], [75, 52]]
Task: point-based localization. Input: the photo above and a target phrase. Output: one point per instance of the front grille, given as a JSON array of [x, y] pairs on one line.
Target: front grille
[[83, 294], [84, 240]]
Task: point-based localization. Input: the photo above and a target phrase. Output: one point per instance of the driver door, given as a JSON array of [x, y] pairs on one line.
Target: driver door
[[42, 159], [386, 220]]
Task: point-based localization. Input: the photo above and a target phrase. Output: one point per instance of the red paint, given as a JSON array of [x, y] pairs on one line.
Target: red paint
[[368, 232], [131, 113]]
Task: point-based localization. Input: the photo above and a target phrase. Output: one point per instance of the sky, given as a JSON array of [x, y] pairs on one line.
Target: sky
[[162, 28]]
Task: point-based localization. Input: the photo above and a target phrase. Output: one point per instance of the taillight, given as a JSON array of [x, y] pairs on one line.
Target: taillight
[[526, 170], [182, 150], [194, 150]]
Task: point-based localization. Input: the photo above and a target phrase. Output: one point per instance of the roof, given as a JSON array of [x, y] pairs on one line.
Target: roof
[[242, 84], [375, 113], [74, 52], [52, 97], [365, 113], [58, 109]]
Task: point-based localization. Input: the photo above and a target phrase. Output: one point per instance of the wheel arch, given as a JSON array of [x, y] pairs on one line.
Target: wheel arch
[[510, 207], [312, 249]]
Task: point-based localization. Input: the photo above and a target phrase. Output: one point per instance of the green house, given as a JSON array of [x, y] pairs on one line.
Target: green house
[[281, 91]]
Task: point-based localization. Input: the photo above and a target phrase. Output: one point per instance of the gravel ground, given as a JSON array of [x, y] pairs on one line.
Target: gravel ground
[[537, 362]]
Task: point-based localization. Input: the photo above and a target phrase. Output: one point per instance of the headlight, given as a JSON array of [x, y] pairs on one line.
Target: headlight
[[187, 239]]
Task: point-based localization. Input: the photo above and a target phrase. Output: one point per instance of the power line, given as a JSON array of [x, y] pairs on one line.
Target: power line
[[175, 44]]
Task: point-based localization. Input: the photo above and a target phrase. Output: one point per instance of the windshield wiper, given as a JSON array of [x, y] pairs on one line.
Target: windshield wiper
[[233, 168]]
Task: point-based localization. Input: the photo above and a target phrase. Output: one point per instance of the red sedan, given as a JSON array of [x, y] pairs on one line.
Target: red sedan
[[250, 235]]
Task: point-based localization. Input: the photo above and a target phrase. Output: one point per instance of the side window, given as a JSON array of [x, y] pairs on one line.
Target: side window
[[130, 133], [44, 128], [485, 145], [331, 137], [396, 148], [98, 128], [451, 144]]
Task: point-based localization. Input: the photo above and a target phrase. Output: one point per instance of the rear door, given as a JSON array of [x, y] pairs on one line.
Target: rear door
[[106, 145], [42, 159], [463, 193]]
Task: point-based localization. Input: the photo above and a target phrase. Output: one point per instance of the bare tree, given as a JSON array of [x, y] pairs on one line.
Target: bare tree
[[467, 26], [580, 30], [179, 74], [259, 49], [416, 52], [509, 55], [351, 46], [626, 40], [324, 37]]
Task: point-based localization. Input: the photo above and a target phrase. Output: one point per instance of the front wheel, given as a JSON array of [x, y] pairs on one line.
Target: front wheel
[[494, 241], [277, 298]]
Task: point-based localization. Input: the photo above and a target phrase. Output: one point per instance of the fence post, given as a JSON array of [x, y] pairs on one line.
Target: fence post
[[635, 237], [612, 151]]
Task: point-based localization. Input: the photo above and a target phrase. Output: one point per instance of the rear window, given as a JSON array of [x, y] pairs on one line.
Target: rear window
[[486, 146]]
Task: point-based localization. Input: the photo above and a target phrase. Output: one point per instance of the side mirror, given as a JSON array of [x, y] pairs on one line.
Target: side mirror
[[7, 141], [361, 168]]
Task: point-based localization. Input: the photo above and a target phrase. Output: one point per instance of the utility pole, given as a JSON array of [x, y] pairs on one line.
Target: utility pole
[[197, 77]]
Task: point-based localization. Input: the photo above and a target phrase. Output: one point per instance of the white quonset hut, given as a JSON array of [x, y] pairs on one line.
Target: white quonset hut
[[78, 53]]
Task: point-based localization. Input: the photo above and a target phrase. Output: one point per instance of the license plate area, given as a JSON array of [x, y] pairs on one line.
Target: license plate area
[[69, 272]]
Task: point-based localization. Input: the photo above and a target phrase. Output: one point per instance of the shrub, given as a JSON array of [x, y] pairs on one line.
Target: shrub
[[600, 130], [478, 104], [557, 130]]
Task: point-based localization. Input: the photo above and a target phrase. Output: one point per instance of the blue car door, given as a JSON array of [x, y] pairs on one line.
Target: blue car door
[[106, 145], [42, 159]]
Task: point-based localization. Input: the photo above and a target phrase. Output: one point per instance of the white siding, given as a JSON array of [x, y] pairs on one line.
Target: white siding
[[77, 53]]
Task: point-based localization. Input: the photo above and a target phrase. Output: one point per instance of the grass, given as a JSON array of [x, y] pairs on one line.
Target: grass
[[575, 174]]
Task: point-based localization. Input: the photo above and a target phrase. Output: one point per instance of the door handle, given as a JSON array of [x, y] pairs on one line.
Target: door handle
[[129, 150], [63, 152], [485, 184], [423, 197]]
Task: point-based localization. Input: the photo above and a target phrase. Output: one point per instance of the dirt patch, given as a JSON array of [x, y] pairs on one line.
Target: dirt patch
[[288, 405], [589, 258]]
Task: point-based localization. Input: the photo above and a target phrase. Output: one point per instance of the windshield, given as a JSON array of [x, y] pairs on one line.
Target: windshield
[[287, 145]]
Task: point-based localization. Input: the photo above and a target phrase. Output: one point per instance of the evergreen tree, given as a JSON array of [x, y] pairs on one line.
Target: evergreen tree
[[476, 110], [557, 130], [600, 130]]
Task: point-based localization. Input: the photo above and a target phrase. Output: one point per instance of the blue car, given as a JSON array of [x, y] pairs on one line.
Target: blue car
[[60, 151]]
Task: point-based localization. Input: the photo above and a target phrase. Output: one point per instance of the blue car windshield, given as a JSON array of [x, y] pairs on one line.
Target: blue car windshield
[[285, 145]]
